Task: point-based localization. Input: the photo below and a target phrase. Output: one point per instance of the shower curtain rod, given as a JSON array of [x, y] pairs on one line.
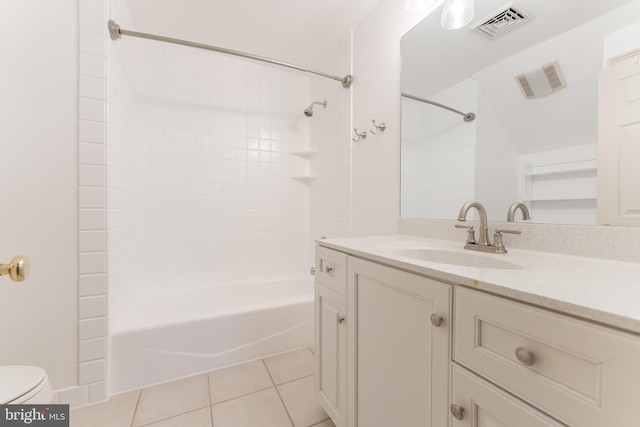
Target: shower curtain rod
[[116, 33], [468, 117]]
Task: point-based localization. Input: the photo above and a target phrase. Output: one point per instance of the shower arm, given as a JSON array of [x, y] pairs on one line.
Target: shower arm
[[116, 33], [467, 117]]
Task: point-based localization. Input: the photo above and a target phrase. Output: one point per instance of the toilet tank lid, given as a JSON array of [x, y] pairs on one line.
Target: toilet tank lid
[[18, 380]]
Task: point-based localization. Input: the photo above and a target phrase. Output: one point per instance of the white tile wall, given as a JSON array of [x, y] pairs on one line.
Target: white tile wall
[[439, 152], [330, 196], [214, 195]]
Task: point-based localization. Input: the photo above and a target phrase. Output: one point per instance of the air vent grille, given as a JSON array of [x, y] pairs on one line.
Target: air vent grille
[[542, 81], [502, 22]]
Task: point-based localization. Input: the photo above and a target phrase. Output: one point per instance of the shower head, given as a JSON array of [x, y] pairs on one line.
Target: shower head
[[309, 111]]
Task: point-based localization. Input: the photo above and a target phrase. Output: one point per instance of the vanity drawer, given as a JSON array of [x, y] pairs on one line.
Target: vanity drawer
[[477, 403], [331, 269], [580, 373]]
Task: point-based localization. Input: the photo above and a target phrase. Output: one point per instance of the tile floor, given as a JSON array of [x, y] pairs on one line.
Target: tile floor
[[276, 391]]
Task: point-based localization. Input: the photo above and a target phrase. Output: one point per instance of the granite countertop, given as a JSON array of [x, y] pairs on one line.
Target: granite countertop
[[603, 291]]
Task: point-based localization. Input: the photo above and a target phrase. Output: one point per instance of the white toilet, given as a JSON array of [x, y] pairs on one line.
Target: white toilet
[[24, 384]]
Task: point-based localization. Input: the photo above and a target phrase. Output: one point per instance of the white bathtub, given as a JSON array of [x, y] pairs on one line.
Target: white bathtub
[[165, 337]]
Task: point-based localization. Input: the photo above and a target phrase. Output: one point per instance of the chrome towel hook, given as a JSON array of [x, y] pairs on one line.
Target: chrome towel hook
[[379, 128], [359, 135]]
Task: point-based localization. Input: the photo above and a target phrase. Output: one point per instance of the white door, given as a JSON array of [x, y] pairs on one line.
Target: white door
[[619, 144]]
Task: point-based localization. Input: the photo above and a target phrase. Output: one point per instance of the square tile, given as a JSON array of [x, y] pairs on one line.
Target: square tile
[[171, 399], [239, 380], [261, 409], [327, 423], [198, 418], [290, 366], [115, 412], [301, 402]]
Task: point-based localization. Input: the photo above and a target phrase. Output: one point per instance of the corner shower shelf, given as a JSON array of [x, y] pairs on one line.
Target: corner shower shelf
[[305, 153], [304, 177]]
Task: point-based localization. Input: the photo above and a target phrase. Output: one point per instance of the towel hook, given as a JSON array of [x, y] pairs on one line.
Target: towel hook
[[360, 135], [380, 128]]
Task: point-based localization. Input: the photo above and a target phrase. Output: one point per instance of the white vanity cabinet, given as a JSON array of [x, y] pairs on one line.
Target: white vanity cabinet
[[330, 332], [579, 373], [398, 344], [398, 347]]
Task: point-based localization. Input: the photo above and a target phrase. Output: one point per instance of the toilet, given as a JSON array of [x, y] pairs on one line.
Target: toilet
[[24, 385]]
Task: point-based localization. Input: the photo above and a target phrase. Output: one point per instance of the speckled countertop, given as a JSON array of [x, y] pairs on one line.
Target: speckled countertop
[[603, 291]]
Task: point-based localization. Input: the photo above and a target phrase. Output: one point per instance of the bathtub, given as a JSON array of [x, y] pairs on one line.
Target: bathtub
[[164, 337]]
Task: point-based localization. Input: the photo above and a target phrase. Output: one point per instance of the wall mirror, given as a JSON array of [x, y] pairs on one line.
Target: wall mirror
[[530, 74]]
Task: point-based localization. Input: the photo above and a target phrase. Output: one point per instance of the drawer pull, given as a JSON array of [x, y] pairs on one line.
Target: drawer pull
[[457, 411], [328, 269], [436, 320], [339, 318], [525, 356]]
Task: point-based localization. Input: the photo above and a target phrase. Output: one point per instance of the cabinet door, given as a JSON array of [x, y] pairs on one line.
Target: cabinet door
[[330, 351], [398, 360], [477, 403]]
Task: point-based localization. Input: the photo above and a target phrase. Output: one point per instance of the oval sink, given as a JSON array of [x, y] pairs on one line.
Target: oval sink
[[465, 259]]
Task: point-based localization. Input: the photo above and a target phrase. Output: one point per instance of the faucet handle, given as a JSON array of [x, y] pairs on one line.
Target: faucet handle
[[499, 230], [497, 239], [471, 234]]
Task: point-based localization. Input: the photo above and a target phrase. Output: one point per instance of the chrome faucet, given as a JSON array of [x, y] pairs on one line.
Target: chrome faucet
[[483, 244], [484, 230], [514, 207]]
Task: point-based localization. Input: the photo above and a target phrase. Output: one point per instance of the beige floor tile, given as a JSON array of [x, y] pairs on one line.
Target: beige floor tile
[[116, 412], [327, 423], [301, 402], [199, 418], [261, 409], [171, 399], [290, 366], [239, 380]]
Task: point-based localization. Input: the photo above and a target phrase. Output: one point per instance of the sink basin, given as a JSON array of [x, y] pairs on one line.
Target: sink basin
[[464, 259]]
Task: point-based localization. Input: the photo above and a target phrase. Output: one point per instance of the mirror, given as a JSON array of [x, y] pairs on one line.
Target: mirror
[[541, 150]]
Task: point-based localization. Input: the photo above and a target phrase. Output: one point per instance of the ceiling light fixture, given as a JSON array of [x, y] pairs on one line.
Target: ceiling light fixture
[[457, 14]]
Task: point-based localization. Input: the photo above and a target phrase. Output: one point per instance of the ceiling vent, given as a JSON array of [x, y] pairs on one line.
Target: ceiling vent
[[503, 20], [541, 81]]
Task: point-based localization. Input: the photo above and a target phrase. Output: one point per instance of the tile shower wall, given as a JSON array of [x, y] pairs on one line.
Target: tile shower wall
[[439, 155], [330, 204], [215, 198]]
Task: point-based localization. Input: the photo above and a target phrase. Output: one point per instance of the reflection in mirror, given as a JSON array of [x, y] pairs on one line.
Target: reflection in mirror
[[534, 90]]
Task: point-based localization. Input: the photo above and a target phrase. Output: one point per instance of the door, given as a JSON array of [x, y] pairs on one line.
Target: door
[[619, 143]]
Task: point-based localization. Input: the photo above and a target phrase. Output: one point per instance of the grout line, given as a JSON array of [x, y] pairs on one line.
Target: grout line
[[135, 410], [279, 396], [210, 397]]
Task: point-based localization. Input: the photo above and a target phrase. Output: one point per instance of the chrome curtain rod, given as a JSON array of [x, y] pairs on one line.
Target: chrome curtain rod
[[468, 117], [116, 33]]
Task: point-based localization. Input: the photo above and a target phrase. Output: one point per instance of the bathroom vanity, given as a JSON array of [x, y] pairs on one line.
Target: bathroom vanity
[[419, 332]]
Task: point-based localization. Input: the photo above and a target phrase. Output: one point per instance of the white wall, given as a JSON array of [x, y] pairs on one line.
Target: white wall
[[376, 95], [38, 176]]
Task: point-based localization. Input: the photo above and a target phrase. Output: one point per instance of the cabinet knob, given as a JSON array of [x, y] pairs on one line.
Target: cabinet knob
[[436, 320], [525, 356], [17, 269], [328, 269], [457, 411], [339, 318]]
